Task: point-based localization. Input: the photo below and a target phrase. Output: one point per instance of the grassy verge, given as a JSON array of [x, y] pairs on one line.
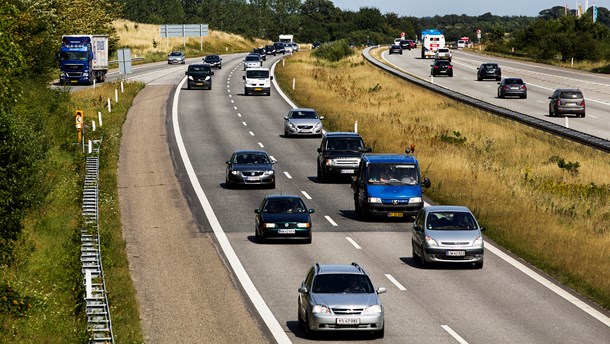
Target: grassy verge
[[542, 197], [47, 280]]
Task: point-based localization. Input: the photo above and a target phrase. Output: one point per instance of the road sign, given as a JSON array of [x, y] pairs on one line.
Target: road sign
[[478, 31]]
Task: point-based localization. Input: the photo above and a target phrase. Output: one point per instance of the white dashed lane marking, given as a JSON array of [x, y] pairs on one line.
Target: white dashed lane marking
[[330, 220], [395, 282], [261, 145], [251, 133], [287, 175], [351, 241], [306, 194]]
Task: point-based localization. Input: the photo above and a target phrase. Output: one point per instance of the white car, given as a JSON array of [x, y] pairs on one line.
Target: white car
[[443, 54]]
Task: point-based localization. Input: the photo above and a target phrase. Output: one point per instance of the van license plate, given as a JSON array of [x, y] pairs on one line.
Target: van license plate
[[286, 231], [455, 253], [348, 321], [258, 89], [395, 214], [347, 171], [199, 83]]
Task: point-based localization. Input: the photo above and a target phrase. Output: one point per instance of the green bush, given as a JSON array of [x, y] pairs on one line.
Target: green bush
[[333, 51]]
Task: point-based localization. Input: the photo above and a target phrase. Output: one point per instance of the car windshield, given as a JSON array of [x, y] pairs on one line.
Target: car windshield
[[284, 205], [74, 55], [175, 53], [193, 69], [342, 284], [303, 115], [251, 158], [344, 144], [570, 94], [392, 174], [212, 58], [451, 221], [257, 74], [252, 58]]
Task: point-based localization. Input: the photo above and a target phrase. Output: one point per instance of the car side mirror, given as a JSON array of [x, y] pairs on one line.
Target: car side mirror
[[416, 228], [303, 290], [285, 118], [366, 150], [311, 211], [212, 72], [243, 77], [273, 161], [550, 98], [228, 162], [257, 211], [321, 117], [186, 73], [320, 150], [499, 83], [482, 229], [381, 290], [426, 182], [271, 78]]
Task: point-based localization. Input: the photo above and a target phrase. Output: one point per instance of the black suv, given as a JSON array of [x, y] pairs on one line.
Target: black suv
[[280, 47], [270, 49], [489, 71], [339, 155], [214, 60]]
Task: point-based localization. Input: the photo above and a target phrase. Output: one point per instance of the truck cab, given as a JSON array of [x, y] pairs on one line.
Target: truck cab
[[388, 185]]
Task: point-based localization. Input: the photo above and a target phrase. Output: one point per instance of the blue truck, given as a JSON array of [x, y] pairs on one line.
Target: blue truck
[[388, 185], [83, 59]]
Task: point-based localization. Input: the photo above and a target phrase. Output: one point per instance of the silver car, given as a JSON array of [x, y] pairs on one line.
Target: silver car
[[176, 57], [253, 61], [567, 100], [303, 121], [340, 297], [448, 234]]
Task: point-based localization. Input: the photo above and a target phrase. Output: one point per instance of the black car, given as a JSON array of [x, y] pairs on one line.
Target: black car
[[339, 155], [250, 167], [261, 52], [280, 47], [395, 49], [404, 44], [512, 87], [441, 67], [489, 71], [283, 217], [315, 45], [270, 49], [199, 75], [214, 60]]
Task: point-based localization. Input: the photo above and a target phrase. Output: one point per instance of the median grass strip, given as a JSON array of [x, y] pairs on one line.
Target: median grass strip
[[542, 197]]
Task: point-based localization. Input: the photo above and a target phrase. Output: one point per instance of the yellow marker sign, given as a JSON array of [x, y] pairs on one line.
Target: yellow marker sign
[[79, 119]]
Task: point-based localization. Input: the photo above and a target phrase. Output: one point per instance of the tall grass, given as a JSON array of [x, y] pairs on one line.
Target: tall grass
[[145, 41], [507, 173]]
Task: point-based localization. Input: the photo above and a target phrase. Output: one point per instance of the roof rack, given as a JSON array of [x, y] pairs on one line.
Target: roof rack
[[357, 266], [317, 267]]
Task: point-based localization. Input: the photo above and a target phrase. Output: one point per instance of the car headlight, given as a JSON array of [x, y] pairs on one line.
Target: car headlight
[[268, 173], [269, 225], [207, 78], [374, 200], [303, 225], [318, 125], [86, 74], [478, 241], [415, 200], [320, 309], [235, 173], [374, 309], [430, 241], [330, 162], [191, 77]]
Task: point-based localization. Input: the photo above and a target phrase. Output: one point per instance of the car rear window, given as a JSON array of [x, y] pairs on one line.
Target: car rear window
[[513, 81], [570, 94], [490, 66]]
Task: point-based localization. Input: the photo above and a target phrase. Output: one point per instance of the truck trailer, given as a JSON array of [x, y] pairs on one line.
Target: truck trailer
[[83, 59], [432, 39]]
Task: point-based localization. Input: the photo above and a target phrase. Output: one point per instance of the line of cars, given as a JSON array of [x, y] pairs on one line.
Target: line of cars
[[562, 101]]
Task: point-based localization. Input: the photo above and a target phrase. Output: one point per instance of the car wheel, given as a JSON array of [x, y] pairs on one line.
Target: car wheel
[[451, 75], [245, 92], [381, 333], [268, 93], [524, 96], [422, 259], [478, 265], [319, 175], [272, 185], [308, 240], [188, 86], [479, 78], [413, 253], [582, 115], [500, 94], [551, 114], [256, 235], [302, 323], [357, 207]]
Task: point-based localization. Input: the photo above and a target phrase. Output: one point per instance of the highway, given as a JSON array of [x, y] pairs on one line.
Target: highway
[[443, 304], [541, 81]]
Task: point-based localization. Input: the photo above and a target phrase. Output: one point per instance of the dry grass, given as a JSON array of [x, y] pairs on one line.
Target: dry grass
[[145, 40], [550, 217]]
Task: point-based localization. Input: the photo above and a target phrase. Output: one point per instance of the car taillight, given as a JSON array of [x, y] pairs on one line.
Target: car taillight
[[435, 67], [449, 67], [505, 87], [558, 102], [523, 87], [582, 103]]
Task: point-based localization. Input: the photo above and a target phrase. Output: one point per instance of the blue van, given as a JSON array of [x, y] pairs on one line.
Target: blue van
[[388, 185]]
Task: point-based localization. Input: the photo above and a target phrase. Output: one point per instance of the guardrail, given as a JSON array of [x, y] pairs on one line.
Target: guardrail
[[541, 124], [132, 60], [99, 325]]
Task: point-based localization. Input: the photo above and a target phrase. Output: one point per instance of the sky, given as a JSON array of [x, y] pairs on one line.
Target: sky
[[419, 8]]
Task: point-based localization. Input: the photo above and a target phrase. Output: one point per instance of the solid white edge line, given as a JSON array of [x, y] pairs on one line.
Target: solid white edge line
[[240, 272], [454, 334], [288, 175], [354, 243], [306, 194], [277, 87], [395, 282], [550, 285], [330, 220]]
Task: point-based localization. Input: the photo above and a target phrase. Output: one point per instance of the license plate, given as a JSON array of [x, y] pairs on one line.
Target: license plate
[[514, 88], [74, 81], [252, 179], [348, 321], [571, 104], [395, 214], [455, 253], [347, 171], [199, 83], [258, 89], [286, 231]]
